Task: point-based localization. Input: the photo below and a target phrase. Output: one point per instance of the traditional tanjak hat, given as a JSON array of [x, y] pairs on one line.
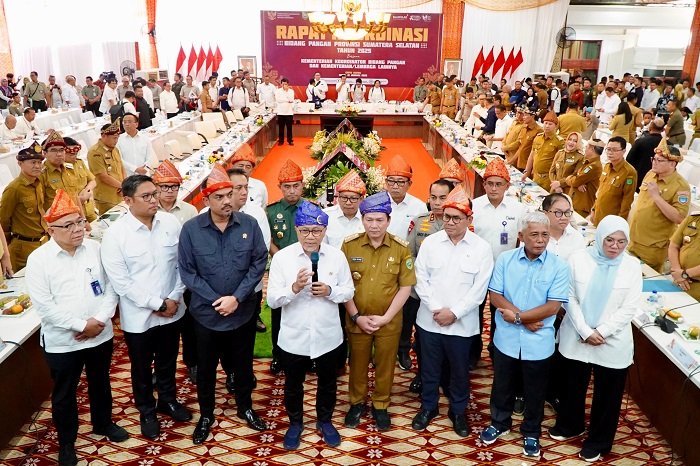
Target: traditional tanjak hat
[[497, 167], [111, 130], [399, 167], [167, 173], [380, 202], [551, 116], [309, 213], [290, 172], [669, 152], [72, 146], [33, 152], [458, 199], [54, 140], [244, 154], [62, 205], [452, 171], [218, 179], [351, 182]]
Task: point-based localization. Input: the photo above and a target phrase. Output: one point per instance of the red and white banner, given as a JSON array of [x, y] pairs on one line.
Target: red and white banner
[[200, 64]]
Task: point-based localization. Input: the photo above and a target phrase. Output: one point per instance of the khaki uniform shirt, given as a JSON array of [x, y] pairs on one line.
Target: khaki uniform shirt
[[15, 109], [420, 228], [564, 165], [543, 151], [619, 127], [378, 274], [588, 175], [637, 116], [434, 99], [542, 99], [55, 178], [35, 91], [79, 172], [676, 132], [90, 92], [102, 159], [525, 138], [571, 122], [615, 191], [510, 142], [280, 216], [648, 225], [450, 97], [687, 239], [22, 208]]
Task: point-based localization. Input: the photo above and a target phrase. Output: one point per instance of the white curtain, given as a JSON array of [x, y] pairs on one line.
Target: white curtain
[[532, 31], [115, 53], [73, 59]]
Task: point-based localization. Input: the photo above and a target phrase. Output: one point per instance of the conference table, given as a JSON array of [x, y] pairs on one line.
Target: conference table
[[604, 134]]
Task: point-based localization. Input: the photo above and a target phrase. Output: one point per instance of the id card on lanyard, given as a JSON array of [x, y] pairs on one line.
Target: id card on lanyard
[[504, 234], [94, 283]]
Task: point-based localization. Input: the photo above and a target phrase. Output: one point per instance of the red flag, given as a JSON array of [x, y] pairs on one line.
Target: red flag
[[478, 62], [201, 58], [210, 62], [517, 61], [508, 64], [487, 62], [191, 61], [180, 59], [500, 60], [217, 58]]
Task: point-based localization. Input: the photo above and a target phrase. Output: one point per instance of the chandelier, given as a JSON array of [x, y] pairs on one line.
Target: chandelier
[[353, 21]]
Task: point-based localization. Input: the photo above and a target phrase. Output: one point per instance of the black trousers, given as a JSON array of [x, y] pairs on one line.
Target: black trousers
[[506, 372], [276, 320], [39, 105], [410, 311], [295, 374], [189, 341], [66, 369], [435, 350], [94, 108], [608, 390], [342, 350], [285, 121], [238, 345], [158, 346]]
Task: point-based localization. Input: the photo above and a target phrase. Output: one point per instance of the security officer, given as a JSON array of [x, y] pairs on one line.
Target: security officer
[[382, 271], [566, 162], [450, 99], [511, 142], [105, 162], [527, 134], [684, 255], [434, 98], [663, 202], [84, 180], [583, 184], [544, 147], [280, 216], [617, 184], [22, 208]]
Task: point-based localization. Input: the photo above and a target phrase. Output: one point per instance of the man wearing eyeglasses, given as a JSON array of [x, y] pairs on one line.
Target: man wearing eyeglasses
[[453, 269], [662, 204], [617, 184], [54, 175], [76, 311], [139, 254], [245, 159], [404, 207]]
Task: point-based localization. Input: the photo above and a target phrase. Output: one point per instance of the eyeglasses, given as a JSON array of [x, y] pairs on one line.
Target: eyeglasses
[[169, 187], [657, 160], [400, 183], [456, 219], [620, 243], [148, 197], [612, 149], [72, 226], [351, 200], [494, 184], [56, 150], [315, 232], [560, 213]]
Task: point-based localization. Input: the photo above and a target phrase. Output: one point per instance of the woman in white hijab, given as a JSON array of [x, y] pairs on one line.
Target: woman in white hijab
[[596, 336]]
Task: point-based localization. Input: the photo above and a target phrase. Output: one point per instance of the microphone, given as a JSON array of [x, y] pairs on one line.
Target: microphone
[[314, 266]]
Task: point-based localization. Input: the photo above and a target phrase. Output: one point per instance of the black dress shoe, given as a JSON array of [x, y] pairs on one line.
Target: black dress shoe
[[113, 432], [253, 420], [260, 326], [201, 432], [275, 367], [175, 410], [382, 419], [405, 362], [352, 419], [66, 455], [459, 424], [150, 427], [416, 385], [423, 418], [192, 374], [230, 385]]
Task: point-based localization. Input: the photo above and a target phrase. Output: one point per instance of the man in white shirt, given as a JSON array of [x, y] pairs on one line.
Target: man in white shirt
[[245, 160], [75, 302], [342, 88], [26, 126], [404, 207], [284, 97], [266, 92], [109, 96], [124, 86], [503, 123], [136, 150], [479, 111], [7, 128], [608, 107], [693, 101], [71, 95], [147, 93], [139, 254], [308, 280], [319, 87], [238, 96], [453, 269], [651, 97]]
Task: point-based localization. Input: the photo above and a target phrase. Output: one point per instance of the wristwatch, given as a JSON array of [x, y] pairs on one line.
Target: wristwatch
[[354, 318], [684, 275], [517, 320], [163, 307]]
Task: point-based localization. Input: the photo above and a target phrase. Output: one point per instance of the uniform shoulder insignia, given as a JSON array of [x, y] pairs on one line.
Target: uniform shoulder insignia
[[273, 203], [561, 139], [402, 242], [694, 212], [352, 237]]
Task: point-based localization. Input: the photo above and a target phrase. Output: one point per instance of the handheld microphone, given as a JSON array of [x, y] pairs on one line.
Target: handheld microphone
[[314, 266]]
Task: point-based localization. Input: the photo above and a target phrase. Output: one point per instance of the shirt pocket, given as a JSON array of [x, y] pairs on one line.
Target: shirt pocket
[[468, 273], [242, 252], [357, 270], [392, 268], [208, 260], [169, 245]]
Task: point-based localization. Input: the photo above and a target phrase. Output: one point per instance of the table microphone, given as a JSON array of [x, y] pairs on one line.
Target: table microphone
[[314, 266]]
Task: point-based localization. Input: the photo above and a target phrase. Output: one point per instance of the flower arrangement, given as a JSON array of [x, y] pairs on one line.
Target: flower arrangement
[[479, 162], [259, 120], [436, 122], [349, 109], [315, 186], [367, 148], [215, 157]]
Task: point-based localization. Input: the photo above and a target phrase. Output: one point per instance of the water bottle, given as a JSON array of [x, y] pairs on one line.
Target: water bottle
[[652, 303]]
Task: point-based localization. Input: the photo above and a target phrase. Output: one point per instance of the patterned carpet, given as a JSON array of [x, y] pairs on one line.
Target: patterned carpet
[[637, 443]]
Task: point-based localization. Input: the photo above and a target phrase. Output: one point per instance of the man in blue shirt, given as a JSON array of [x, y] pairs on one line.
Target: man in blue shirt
[[222, 257], [223, 95], [528, 286], [517, 95]]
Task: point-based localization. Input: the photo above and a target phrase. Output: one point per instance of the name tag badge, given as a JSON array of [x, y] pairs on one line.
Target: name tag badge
[[504, 238], [96, 288]]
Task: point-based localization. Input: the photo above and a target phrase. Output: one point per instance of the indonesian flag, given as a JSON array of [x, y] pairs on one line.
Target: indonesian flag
[[517, 61], [478, 62], [191, 61], [500, 60], [217, 59], [180, 60], [508, 64], [210, 63], [201, 58], [487, 63]]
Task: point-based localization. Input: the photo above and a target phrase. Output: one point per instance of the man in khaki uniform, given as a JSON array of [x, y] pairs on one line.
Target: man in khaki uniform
[[450, 99], [566, 162], [105, 163], [617, 184], [382, 271], [674, 127], [544, 147], [583, 184], [54, 175], [571, 121], [84, 180], [511, 142], [22, 208], [663, 202], [684, 255], [637, 116], [434, 98], [527, 134]]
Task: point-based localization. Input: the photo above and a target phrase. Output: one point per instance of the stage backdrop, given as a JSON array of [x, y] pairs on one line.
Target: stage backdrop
[[410, 48]]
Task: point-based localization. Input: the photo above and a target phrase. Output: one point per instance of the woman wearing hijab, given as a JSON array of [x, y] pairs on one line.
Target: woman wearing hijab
[[596, 336], [566, 163]]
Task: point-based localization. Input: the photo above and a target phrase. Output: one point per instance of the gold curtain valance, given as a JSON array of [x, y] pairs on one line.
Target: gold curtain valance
[[508, 5]]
